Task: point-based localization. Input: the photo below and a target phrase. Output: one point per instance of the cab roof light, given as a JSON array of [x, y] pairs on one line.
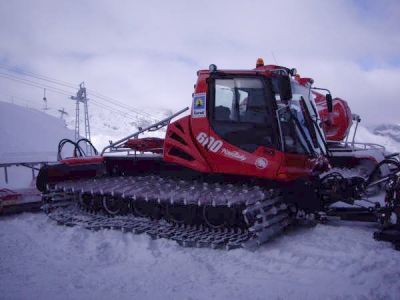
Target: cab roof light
[[212, 68]]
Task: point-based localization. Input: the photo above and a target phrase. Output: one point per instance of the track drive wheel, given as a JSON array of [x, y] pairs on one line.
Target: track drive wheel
[[114, 206], [181, 214], [146, 209], [216, 217], [86, 202]]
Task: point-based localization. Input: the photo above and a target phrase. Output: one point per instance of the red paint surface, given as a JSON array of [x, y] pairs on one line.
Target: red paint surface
[[83, 160]]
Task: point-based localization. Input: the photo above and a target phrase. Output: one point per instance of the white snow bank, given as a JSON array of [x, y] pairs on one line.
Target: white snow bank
[[40, 260], [27, 135]]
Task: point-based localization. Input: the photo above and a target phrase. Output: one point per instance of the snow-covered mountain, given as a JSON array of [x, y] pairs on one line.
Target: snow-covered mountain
[[365, 135], [107, 125], [390, 130]]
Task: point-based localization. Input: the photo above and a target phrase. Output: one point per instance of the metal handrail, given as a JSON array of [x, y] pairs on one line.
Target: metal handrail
[[29, 165], [356, 118], [154, 127], [365, 146]]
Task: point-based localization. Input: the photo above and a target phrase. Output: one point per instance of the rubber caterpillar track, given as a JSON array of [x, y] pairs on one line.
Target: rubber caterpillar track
[[193, 213]]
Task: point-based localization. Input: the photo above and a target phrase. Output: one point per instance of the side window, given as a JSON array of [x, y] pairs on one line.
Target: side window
[[241, 114], [243, 96], [240, 100], [224, 99]]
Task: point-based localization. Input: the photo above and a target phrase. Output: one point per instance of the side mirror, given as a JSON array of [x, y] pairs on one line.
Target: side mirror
[[329, 102], [285, 88]]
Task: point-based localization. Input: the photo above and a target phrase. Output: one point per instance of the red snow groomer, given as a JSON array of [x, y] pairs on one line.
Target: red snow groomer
[[261, 149]]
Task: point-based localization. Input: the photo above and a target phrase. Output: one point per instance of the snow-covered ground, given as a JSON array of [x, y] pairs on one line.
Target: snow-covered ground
[[40, 260]]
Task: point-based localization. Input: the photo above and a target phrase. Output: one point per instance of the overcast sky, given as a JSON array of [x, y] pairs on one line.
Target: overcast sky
[[146, 53]]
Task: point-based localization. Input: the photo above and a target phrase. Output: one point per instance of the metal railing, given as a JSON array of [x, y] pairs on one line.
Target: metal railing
[[356, 146], [34, 166], [353, 145]]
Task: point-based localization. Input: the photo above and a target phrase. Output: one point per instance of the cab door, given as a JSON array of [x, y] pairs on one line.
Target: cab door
[[242, 138]]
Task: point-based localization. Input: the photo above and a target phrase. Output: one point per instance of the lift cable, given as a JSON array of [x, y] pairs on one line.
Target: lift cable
[[35, 84], [70, 85], [113, 109], [38, 76]]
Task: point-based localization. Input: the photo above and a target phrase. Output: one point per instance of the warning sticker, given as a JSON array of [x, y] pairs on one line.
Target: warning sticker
[[199, 105]]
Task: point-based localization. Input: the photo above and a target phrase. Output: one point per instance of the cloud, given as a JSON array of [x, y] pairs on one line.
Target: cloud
[[147, 53]]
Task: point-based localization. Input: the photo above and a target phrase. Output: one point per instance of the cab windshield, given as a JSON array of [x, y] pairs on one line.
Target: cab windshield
[[308, 117], [242, 112], [302, 113]]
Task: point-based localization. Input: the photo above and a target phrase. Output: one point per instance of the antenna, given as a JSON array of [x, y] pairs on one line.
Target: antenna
[[272, 52], [45, 100]]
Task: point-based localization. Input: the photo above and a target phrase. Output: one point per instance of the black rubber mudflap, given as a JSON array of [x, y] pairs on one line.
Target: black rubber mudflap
[[397, 246], [389, 235]]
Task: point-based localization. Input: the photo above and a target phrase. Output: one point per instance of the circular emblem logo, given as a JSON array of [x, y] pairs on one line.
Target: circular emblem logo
[[261, 163]]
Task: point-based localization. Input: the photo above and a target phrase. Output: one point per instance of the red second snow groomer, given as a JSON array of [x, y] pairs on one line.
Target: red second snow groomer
[[251, 158]]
